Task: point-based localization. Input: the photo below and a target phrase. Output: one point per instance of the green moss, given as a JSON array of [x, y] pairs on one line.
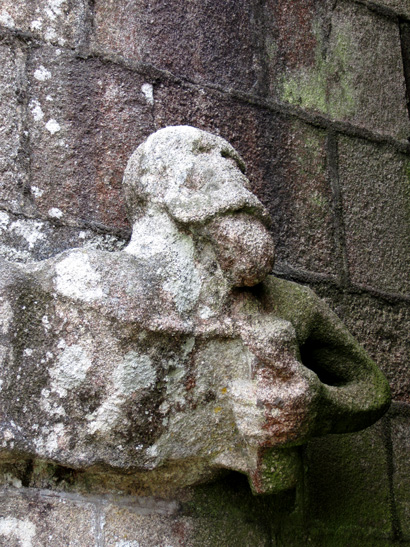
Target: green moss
[[271, 48], [347, 486], [279, 470], [328, 87], [226, 513], [319, 201]]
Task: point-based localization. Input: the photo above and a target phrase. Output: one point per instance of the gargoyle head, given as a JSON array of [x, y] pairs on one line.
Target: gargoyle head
[[198, 180], [180, 355]]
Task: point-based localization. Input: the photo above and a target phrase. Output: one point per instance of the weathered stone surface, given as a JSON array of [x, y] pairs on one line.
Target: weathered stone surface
[[28, 239], [339, 56], [32, 519], [162, 361], [401, 7], [286, 165], [347, 484], [60, 22], [226, 513], [382, 328], [223, 513], [128, 526], [86, 118], [292, 36], [202, 40], [401, 477], [375, 184], [13, 168]]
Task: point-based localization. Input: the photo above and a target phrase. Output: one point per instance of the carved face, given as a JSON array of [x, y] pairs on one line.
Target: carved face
[[198, 180], [191, 175]]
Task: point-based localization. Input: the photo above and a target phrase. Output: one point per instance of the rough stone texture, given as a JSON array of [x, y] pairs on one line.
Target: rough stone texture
[[226, 513], [344, 54], [401, 7], [375, 184], [401, 475], [286, 165], [347, 485], [159, 361], [292, 34], [60, 22], [382, 329], [13, 167], [348, 69], [29, 240], [31, 519], [125, 527], [86, 118], [205, 41]]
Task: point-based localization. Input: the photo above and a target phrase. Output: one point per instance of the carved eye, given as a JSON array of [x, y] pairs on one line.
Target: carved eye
[[227, 154]]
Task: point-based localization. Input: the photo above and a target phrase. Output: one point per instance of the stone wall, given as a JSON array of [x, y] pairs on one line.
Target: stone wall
[[314, 95]]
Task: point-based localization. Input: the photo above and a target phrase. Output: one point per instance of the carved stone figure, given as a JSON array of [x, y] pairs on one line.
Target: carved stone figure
[[180, 355]]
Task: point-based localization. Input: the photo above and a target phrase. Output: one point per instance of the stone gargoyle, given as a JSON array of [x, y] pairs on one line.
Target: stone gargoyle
[[180, 355]]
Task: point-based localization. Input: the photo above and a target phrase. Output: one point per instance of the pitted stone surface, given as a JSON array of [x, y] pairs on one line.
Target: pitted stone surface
[[13, 167], [202, 40], [85, 120], [331, 65], [376, 202], [180, 355], [286, 165], [60, 22], [29, 519]]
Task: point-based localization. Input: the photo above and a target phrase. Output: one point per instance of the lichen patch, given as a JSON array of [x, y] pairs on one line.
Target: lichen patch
[[42, 74], [22, 530], [76, 278]]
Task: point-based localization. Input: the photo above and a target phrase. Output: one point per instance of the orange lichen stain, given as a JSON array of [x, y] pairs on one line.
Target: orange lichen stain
[[224, 390]]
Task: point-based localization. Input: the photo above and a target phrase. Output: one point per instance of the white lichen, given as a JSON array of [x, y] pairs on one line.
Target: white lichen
[[36, 25], [42, 74], [76, 278], [4, 220], [71, 369], [134, 373], [36, 191], [54, 212], [22, 530], [148, 92], [36, 110], [6, 19], [53, 126], [30, 230], [6, 316], [50, 34]]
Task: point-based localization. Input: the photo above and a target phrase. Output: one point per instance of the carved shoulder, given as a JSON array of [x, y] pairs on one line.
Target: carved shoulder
[[116, 284]]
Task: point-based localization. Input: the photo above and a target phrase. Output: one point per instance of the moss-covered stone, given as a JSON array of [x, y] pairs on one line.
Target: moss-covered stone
[[401, 466], [229, 514], [347, 486], [354, 49], [328, 87]]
